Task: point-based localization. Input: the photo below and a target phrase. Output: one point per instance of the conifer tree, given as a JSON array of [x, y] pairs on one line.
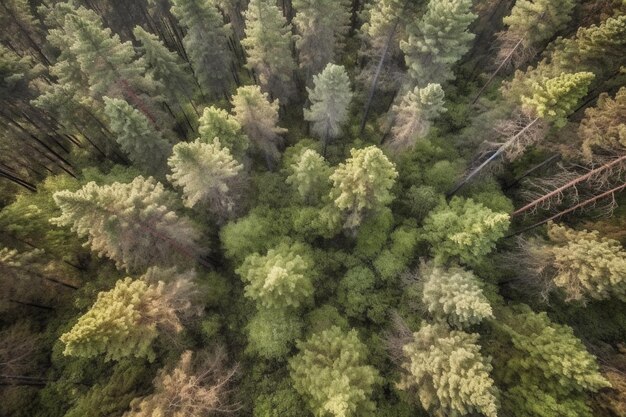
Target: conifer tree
[[144, 145], [453, 295], [125, 320], [414, 114], [206, 43], [581, 263], [217, 123], [604, 127], [271, 333], [449, 373], [330, 101], [268, 49], [259, 118], [280, 279], [437, 41], [464, 229], [310, 176], [321, 26], [208, 175], [332, 374], [362, 184], [132, 224]]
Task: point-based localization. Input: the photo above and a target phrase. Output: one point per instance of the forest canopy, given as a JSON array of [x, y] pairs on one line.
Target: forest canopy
[[312, 208]]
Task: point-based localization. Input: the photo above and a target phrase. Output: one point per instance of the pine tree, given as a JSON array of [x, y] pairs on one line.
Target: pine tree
[[217, 123], [321, 26], [259, 118], [206, 43], [454, 295], [449, 373], [125, 320], [463, 229], [330, 101], [144, 145], [130, 223], [280, 279], [310, 176], [332, 374], [268, 48], [604, 127], [414, 114], [437, 41], [208, 175], [362, 184]]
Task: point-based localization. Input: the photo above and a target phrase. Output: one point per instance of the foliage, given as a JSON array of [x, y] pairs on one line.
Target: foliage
[[604, 126], [310, 176], [217, 123]]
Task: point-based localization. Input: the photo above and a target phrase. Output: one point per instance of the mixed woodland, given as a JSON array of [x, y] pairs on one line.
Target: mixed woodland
[[312, 208]]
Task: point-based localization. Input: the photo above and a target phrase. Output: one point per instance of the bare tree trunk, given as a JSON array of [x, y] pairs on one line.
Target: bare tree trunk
[[531, 170]]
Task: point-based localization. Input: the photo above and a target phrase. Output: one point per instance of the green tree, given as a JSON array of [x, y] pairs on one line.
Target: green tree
[[217, 123], [208, 175], [363, 183], [132, 224], [437, 41], [206, 43], [144, 145], [321, 26], [463, 229], [272, 333], [259, 118], [125, 320], [449, 373], [280, 279], [268, 49], [454, 295], [604, 126], [310, 176], [330, 101], [331, 372], [412, 117]]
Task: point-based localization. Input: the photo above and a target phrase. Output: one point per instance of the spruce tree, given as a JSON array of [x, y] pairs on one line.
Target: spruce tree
[[454, 295], [414, 114], [437, 41], [144, 145], [320, 27], [217, 123], [363, 184], [268, 49], [259, 118], [449, 373], [465, 230], [132, 224], [208, 175], [206, 43], [330, 101], [125, 320], [310, 176], [332, 374]]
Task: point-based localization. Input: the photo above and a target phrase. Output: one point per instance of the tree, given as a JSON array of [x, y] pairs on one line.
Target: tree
[[330, 101], [144, 145], [604, 126], [125, 320], [132, 224], [449, 373], [321, 26], [193, 388], [280, 279], [331, 373], [362, 184], [581, 263], [463, 229], [206, 43], [454, 295], [259, 118], [437, 41], [310, 176], [413, 115], [208, 175], [217, 123], [271, 333], [268, 48]]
